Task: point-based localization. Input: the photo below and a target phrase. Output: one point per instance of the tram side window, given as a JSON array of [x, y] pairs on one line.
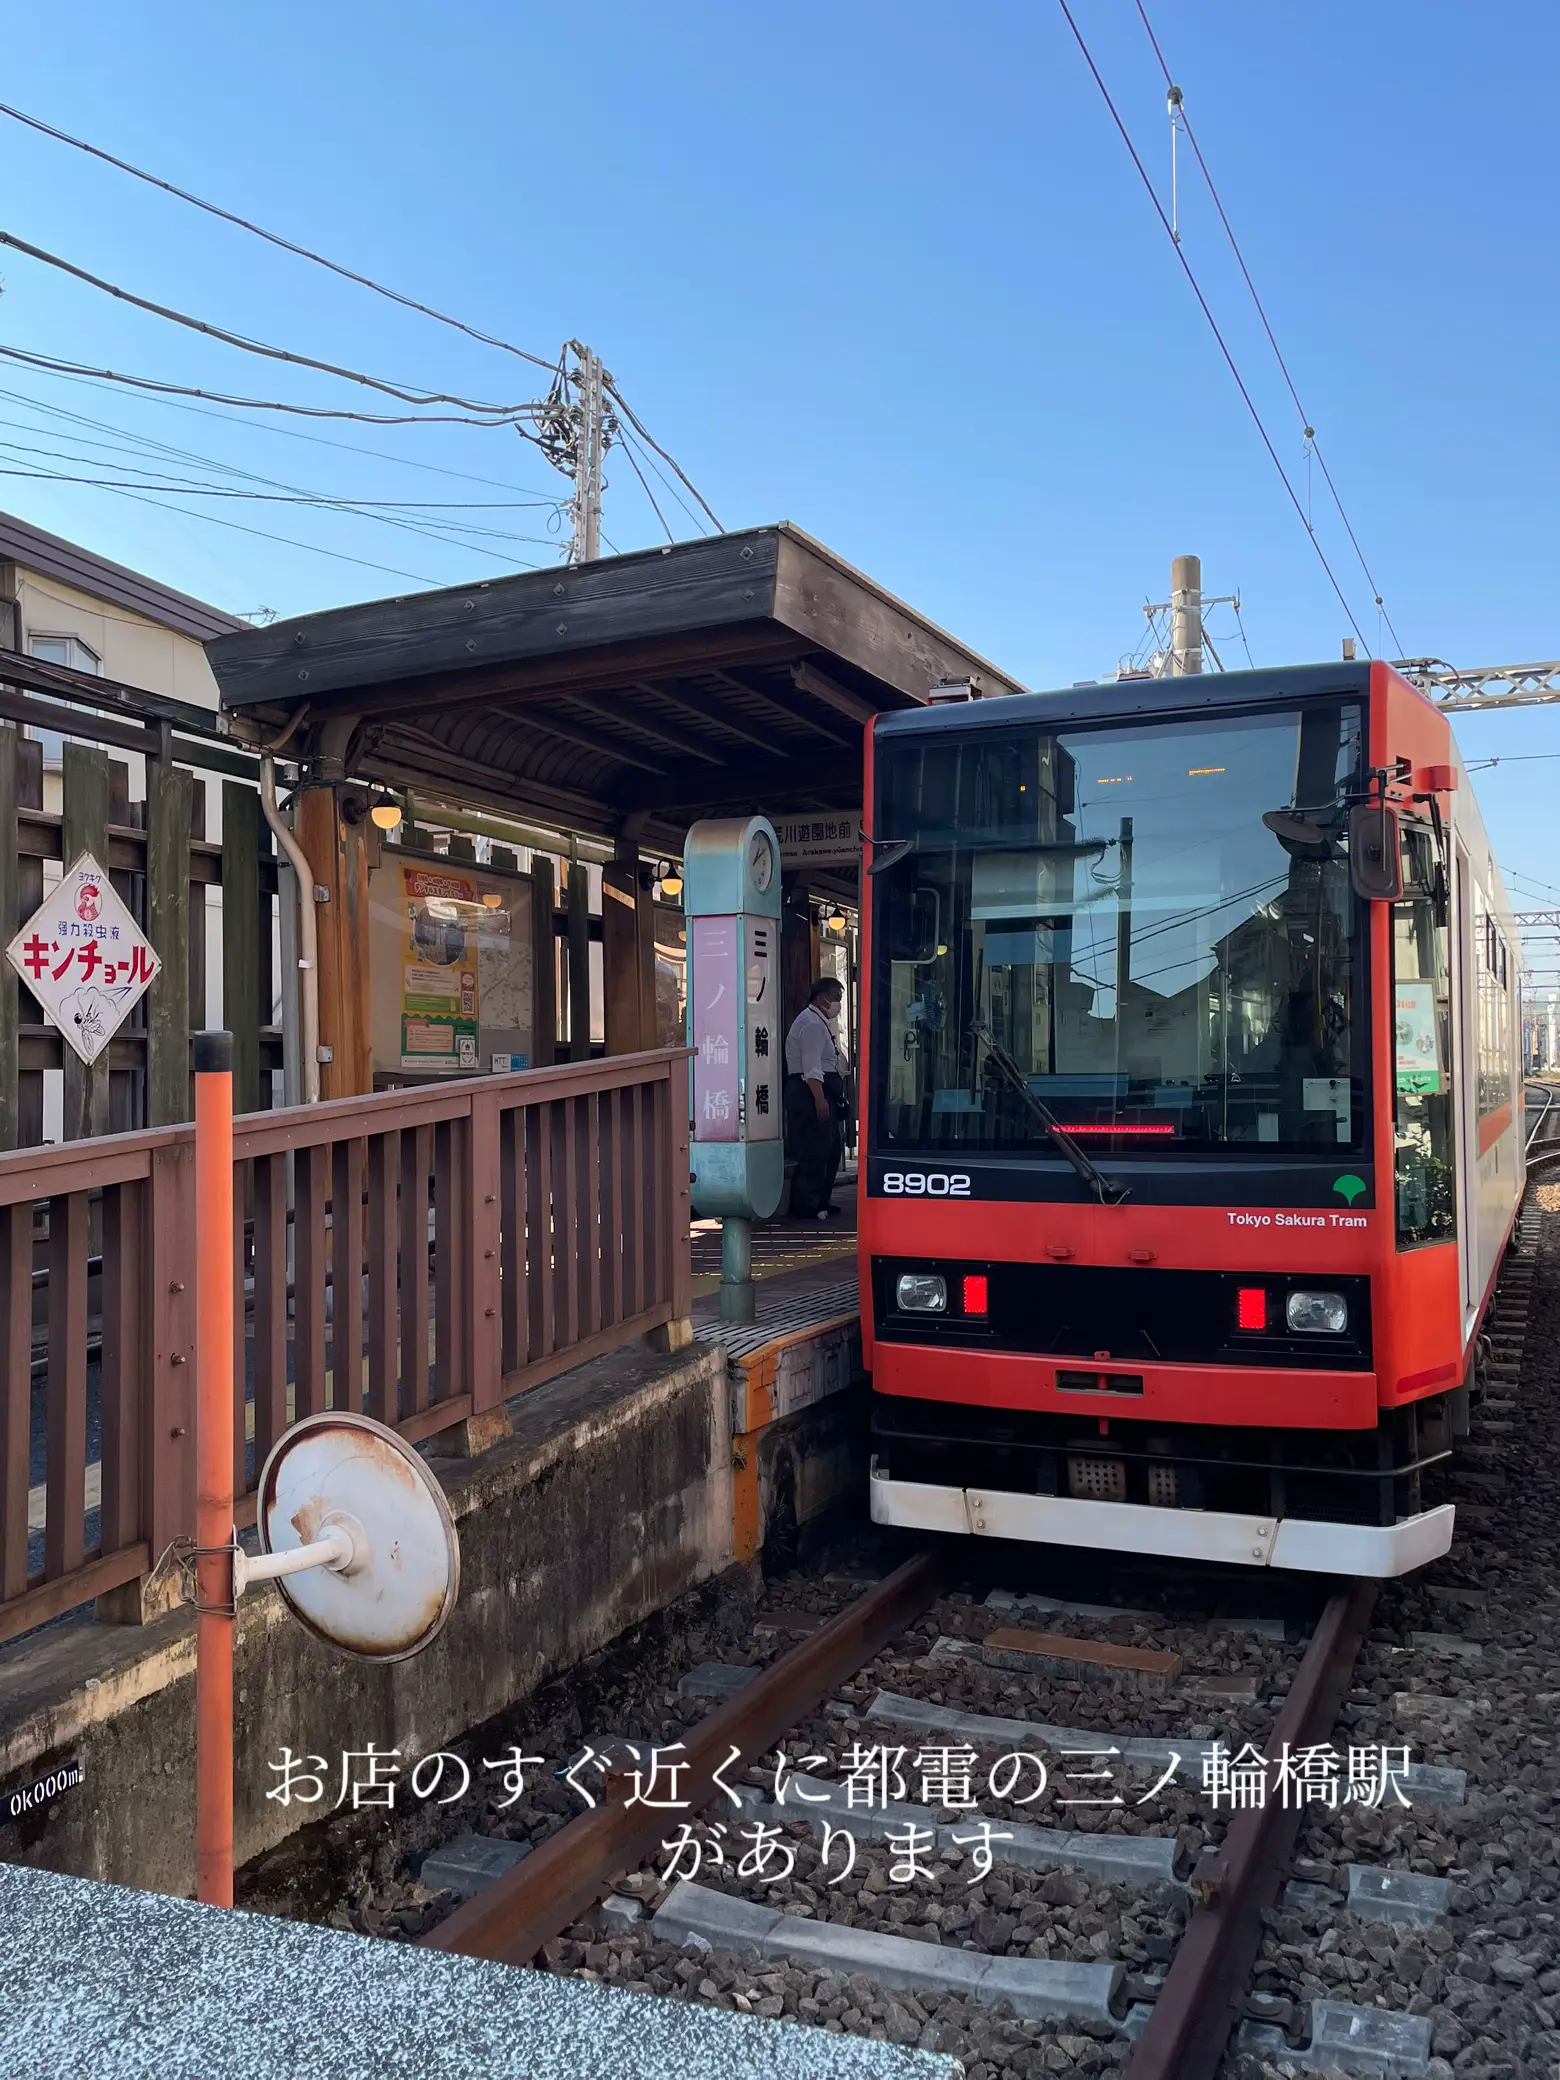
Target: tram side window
[[1494, 1013], [1422, 1100]]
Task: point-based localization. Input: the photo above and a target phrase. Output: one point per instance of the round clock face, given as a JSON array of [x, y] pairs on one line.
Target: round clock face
[[761, 861]]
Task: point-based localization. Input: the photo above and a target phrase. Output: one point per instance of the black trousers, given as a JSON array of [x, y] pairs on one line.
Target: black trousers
[[814, 1144]]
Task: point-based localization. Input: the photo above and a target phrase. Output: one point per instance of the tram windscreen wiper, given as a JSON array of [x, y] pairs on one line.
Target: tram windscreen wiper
[[1104, 1188]]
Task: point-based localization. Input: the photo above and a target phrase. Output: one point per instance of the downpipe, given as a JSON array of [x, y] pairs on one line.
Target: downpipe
[[308, 937]]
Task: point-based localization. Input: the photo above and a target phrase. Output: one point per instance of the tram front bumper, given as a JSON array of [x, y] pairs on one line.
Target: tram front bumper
[[1303, 1545]]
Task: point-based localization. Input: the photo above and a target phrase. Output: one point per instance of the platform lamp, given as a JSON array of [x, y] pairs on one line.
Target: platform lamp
[[737, 1033]]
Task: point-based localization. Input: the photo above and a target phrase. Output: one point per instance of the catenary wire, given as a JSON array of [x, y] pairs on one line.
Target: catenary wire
[[1196, 287], [502, 414], [1240, 260], [287, 245]]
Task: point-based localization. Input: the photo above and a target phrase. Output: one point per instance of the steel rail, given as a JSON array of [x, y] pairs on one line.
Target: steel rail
[[1200, 2002], [510, 1919]]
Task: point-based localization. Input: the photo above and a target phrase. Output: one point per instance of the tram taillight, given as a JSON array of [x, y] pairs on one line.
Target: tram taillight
[[1251, 1307]]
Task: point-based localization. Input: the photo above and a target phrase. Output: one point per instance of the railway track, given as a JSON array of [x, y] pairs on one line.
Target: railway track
[[917, 1665], [1172, 1936]]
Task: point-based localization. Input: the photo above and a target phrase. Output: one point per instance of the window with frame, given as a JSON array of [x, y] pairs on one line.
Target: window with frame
[[1424, 1159], [75, 656]]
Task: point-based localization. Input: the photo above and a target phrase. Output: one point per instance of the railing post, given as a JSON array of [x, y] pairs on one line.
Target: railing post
[[674, 1205], [168, 1442], [479, 1279]]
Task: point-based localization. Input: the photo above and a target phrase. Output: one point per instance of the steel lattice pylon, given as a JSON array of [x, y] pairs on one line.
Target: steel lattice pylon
[[1486, 686]]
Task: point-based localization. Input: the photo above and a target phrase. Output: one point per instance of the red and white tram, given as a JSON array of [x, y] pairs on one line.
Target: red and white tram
[[1191, 1133]]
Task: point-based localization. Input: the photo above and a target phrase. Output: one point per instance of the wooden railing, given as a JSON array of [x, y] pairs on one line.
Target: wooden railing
[[420, 1256]]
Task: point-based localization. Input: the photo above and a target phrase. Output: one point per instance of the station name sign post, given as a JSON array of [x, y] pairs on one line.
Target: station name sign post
[[731, 899]]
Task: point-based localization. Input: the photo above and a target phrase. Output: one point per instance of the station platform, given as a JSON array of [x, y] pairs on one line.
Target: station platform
[[99, 1979]]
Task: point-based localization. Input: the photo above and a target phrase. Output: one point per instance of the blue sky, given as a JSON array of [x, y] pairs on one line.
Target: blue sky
[[885, 271]]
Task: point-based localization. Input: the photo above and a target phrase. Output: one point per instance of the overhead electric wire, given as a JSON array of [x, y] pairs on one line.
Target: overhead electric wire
[[1196, 287], [43, 476], [668, 483], [282, 498], [1240, 259], [265, 535], [501, 414], [633, 463], [57, 365], [291, 433], [650, 441], [449, 531], [286, 245]]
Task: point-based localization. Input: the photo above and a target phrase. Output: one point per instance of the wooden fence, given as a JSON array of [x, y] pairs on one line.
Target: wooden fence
[[159, 859], [419, 1256]]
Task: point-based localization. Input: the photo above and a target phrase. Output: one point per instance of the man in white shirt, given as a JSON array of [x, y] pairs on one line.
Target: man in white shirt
[[814, 1102]]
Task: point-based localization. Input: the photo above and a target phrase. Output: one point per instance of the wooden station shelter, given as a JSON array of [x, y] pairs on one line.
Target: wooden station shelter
[[619, 701]]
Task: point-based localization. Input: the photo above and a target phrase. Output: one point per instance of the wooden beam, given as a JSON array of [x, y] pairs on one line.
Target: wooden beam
[[835, 609], [796, 717], [822, 688], [630, 717], [707, 710], [576, 733], [820, 775], [522, 681], [726, 580]]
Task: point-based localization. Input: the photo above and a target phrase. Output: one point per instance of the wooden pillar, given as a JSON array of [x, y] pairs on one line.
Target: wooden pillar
[[649, 1024], [337, 853], [579, 962], [241, 936], [544, 965], [621, 958], [11, 919], [168, 797], [796, 949], [85, 829]]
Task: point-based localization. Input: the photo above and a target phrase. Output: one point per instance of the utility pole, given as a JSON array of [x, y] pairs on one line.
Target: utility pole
[[590, 447], [1186, 605]]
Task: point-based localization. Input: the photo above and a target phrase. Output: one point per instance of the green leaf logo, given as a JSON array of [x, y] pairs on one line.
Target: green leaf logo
[[1350, 1186]]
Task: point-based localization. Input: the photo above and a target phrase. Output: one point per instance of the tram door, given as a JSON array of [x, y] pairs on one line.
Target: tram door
[[1466, 1070]]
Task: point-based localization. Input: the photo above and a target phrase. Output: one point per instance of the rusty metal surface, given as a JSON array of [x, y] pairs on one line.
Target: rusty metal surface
[[513, 1917], [396, 1596], [1204, 1990]]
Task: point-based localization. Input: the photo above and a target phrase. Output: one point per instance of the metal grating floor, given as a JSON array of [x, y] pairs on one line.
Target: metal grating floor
[[782, 1317]]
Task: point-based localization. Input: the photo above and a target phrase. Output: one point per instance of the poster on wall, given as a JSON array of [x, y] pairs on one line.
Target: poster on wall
[[1416, 1037], [451, 966], [439, 971]]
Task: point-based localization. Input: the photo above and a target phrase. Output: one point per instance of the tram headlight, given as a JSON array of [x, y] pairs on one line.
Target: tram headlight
[[921, 1292], [1316, 1314]]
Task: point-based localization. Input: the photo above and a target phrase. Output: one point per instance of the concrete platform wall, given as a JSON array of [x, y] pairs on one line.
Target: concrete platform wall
[[612, 1498]]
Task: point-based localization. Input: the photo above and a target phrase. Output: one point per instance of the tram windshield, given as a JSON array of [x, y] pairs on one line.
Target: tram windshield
[[1150, 926]]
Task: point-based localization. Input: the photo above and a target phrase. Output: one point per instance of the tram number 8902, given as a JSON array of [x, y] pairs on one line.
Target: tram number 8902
[[930, 1184]]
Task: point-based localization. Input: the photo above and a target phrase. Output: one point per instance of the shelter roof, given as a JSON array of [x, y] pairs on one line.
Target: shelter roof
[[711, 677]]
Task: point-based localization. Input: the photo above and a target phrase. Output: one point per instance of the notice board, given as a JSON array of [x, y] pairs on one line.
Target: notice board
[[450, 960]]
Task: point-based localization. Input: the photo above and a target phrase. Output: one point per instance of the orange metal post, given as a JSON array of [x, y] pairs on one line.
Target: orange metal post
[[214, 1468]]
